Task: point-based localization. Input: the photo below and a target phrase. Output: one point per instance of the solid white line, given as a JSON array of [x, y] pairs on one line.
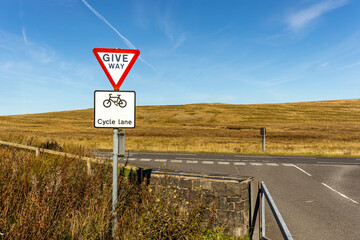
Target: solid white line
[[207, 162], [223, 163], [338, 163], [145, 159], [160, 160], [188, 161], [291, 157], [239, 163], [184, 154], [302, 170], [177, 161], [339, 193], [272, 164], [240, 156]]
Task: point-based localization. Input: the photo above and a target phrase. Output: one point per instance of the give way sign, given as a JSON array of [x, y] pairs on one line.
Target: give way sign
[[116, 63]]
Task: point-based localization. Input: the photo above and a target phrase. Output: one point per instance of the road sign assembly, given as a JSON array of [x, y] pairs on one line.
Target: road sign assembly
[[114, 109], [116, 63]]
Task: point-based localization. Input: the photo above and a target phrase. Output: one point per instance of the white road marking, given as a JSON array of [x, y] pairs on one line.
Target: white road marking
[[256, 164], [240, 163], [184, 154], [160, 160], [287, 164], [132, 159], [344, 163], [223, 163], [302, 170], [177, 161], [241, 156], [291, 157], [207, 162], [145, 159], [272, 164], [339, 193], [188, 161]]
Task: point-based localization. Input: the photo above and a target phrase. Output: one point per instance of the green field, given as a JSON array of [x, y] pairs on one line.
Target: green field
[[329, 128]]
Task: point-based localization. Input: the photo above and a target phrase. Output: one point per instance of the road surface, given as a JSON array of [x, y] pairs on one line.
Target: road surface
[[318, 197]]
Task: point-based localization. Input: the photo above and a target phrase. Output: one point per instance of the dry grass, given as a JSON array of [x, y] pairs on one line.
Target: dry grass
[[50, 197], [309, 128]]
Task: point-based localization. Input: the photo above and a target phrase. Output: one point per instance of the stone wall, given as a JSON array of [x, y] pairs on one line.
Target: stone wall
[[226, 199]]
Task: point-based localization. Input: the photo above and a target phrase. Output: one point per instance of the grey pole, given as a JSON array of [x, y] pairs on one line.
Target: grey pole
[[264, 143], [263, 134], [262, 197], [115, 178], [121, 144]]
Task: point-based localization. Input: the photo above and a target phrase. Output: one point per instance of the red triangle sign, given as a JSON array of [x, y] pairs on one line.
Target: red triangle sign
[[116, 63]]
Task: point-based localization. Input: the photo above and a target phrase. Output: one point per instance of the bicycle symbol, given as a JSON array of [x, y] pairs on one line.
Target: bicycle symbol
[[118, 101]]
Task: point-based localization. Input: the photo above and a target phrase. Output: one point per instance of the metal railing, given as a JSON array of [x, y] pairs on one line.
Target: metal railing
[[259, 193]]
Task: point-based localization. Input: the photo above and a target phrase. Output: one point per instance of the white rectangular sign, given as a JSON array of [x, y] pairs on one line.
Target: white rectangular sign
[[114, 109]]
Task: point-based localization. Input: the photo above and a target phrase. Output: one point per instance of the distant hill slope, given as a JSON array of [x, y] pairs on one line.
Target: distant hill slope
[[322, 128]]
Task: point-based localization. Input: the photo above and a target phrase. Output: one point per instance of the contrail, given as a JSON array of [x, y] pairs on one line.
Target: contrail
[[24, 36], [127, 42]]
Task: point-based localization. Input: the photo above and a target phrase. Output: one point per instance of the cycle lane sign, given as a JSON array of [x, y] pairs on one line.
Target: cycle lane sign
[[114, 109], [116, 63]]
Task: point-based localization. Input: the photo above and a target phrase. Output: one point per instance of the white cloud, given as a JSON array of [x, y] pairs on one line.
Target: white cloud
[[304, 17], [324, 64]]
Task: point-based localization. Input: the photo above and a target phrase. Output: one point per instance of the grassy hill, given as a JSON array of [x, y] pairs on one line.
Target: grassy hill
[[307, 128]]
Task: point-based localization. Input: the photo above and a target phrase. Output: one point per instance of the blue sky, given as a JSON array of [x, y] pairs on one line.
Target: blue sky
[[192, 51]]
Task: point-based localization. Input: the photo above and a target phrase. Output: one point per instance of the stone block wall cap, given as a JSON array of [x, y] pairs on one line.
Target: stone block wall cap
[[199, 175]]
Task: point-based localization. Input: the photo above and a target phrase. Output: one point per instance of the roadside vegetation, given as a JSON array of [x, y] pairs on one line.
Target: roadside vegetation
[[327, 128], [51, 197]]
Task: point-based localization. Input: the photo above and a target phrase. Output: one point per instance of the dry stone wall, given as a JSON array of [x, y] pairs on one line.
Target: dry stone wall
[[227, 200]]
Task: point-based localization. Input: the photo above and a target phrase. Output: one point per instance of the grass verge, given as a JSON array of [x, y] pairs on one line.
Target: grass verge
[[51, 197]]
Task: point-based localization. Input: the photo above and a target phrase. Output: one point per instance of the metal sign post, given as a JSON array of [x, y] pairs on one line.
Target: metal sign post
[[118, 151], [115, 178], [263, 133]]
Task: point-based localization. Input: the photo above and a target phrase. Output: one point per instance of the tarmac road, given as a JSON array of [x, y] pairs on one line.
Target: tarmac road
[[318, 197]]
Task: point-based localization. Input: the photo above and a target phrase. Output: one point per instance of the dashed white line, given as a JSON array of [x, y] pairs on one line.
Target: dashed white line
[[256, 164], [160, 160], [188, 161], [272, 164], [207, 162], [240, 163], [223, 163], [145, 159], [302, 170], [288, 164], [177, 161], [340, 193], [132, 159]]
